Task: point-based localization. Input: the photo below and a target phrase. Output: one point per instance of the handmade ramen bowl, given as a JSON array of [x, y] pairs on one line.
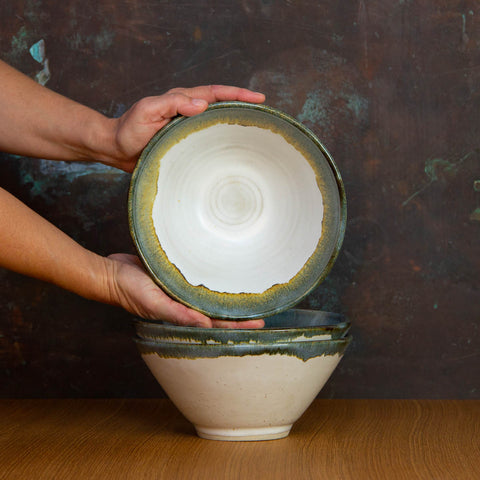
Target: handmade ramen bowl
[[238, 212], [294, 325], [241, 391]]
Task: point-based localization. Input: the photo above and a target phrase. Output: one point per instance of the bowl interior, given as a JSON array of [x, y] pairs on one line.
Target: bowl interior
[[238, 212], [298, 319]]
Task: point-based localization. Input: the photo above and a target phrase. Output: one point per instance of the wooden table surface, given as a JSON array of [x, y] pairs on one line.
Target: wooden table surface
[[149, 439]]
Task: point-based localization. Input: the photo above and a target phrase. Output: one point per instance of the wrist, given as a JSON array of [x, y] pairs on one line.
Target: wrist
[[86, 276], [101, 141], [100, 281]]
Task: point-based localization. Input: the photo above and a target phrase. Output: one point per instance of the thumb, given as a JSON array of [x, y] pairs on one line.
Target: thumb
[[172, 104], [171, 311], [192, 107]]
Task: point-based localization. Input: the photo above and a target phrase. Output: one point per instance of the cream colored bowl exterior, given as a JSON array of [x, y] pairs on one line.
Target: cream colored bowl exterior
[[251, 397]]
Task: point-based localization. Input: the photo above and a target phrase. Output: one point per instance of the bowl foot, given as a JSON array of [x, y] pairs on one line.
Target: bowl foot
[[243, 434]]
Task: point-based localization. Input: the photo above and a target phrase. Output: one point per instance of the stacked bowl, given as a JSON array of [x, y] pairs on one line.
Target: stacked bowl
[[240, 213], [249, 384]]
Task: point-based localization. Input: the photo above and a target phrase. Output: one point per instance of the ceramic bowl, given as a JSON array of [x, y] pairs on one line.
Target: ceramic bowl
[[238, 212], [293, 325], [240, 391]]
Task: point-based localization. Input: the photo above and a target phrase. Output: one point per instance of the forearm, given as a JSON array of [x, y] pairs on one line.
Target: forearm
[[37, 122], [32, 246]]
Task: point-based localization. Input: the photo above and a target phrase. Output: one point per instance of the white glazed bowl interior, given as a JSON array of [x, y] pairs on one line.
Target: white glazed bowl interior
[[242, 392], [238, 208]]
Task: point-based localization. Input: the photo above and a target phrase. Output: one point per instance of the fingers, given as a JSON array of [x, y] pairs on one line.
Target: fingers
[[162, 108], [179, 314], [233, 324], [224, 92], [189, 101], [136, 127], [192, 101], [138, 294], [218, 93]]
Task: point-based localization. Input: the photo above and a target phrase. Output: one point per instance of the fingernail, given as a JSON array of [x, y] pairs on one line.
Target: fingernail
[[198, 102]]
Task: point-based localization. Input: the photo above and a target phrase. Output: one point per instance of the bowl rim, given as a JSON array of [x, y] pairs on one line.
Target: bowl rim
[[302, 350], [341, 323], [247, 312]]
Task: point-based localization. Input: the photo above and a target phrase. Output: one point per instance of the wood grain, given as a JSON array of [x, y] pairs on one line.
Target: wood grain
[[149, 439]]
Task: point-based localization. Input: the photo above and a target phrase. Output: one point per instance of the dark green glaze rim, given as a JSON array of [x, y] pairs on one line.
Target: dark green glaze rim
[[284, 326], [238, 306], [302, 350]]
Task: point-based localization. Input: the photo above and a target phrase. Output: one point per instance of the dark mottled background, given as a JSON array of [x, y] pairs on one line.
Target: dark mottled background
[[393, 90]]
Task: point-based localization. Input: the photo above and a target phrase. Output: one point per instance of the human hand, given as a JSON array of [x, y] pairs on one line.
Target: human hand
[[133, 130], [132, 289]]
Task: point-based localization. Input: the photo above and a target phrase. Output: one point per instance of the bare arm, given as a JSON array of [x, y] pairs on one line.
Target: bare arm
[[37, 122], [32, 246]]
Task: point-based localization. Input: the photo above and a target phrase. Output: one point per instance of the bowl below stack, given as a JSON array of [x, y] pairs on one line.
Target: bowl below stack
[[250, 384]]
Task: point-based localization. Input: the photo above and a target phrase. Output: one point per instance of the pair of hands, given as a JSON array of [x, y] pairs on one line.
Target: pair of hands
[[129, 284]]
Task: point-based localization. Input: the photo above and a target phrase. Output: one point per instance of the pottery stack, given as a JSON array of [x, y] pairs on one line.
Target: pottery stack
[[240, 213], [245, 384]]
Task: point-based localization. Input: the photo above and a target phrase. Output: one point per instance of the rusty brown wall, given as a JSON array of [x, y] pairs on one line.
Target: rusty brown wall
[[392, 87]]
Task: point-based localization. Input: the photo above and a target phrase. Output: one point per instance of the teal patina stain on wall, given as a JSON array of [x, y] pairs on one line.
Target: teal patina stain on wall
[[357, 104], [98, 43], [475, 215], [25, 36], [37, 186], [439, 169], [281, 82], [33, 10], [47, 179], [102, 41], [327, 93], [324, 104], [37, 51], [19, 42], [315, 109], [19, 45]]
